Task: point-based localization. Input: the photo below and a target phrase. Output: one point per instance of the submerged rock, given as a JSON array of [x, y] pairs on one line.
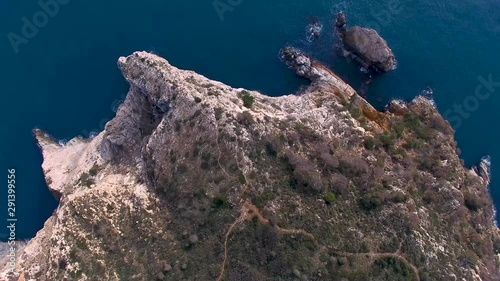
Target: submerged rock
[[365, 46], [484, 169], [314, 29]]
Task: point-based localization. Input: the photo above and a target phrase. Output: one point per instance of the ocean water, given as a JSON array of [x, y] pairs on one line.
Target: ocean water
[[62, 76]]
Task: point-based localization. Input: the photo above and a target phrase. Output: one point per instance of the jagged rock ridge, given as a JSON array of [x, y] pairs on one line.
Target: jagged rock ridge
[[196, 180]]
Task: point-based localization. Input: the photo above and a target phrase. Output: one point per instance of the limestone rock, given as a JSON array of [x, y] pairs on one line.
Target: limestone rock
[[365, 46]]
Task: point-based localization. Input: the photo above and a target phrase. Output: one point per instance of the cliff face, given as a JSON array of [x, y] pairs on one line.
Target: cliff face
[[195, 180]]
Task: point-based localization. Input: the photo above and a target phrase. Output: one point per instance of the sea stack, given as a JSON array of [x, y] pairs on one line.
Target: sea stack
[[365, 46]]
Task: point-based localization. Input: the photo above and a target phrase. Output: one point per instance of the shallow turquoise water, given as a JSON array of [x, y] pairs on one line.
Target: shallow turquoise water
[[65, 79]]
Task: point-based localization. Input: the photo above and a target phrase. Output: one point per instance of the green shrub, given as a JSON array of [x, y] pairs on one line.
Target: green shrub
[[248, 99], [424, 133], [213, 92], [305, 131], [182, 168], [261, 200], [496, 246], [430, 197], [364, 123], [398, 128], [397, 152], [412, 143], [428, 163], [330, 198], [369, 143], [94, 170], [412, 121], [62, 264], [398, 269], [241, 178], [472, 202], [372, 201], [208, 161], [86, 180], [247, 118], [305, 174], [355, 112], [387, 139], [398, 197], [218, 113], [220, 202], [272, 148]]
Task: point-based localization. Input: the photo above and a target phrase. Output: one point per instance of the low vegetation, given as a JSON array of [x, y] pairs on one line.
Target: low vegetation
[[86, 180], [248, 99]]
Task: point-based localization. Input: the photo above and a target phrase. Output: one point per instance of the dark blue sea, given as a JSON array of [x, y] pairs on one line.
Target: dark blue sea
[[61, 76]]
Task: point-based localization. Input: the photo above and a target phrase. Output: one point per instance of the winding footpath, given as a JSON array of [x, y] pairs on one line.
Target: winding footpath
[[248, 211]]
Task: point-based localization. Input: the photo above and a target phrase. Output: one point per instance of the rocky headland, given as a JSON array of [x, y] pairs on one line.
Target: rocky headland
[[196, 180]]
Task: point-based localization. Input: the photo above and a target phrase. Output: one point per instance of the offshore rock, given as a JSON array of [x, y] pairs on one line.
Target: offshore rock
[[314, 29], [365, 46]]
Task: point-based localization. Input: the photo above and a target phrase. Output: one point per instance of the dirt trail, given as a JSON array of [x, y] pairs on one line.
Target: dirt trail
[[248, 211], [395, 255], [256, 213], [243, 217]]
